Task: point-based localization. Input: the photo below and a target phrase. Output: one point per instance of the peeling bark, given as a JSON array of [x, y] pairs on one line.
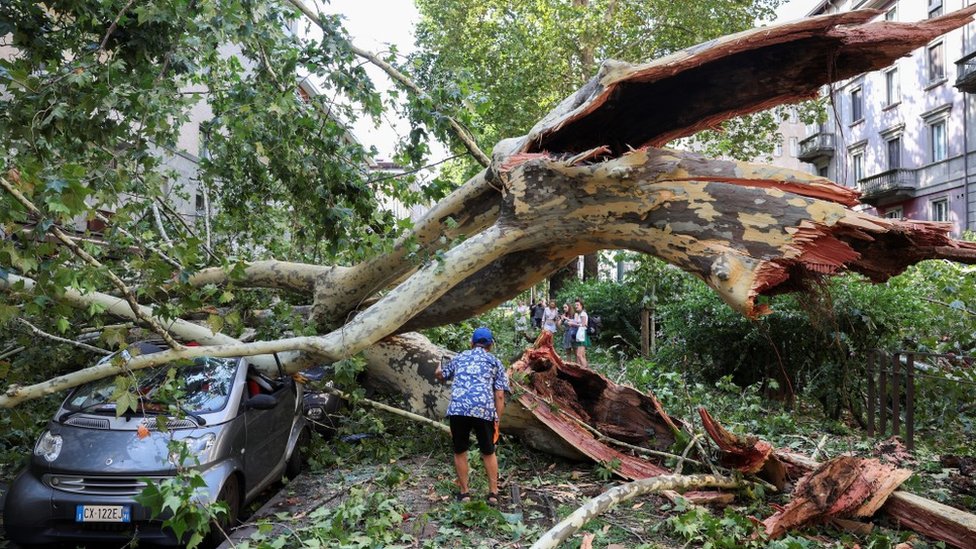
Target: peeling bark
[[695, 89], [843, 487], [285, 275], [746, 454], [565, 397]]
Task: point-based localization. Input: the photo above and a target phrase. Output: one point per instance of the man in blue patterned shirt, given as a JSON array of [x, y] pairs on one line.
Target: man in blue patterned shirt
[[477, 401]]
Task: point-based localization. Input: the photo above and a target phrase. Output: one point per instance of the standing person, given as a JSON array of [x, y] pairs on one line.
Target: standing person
[[569, 332], [581, 321], [477, 403], [540, 310], [550, 317], [522, 322]]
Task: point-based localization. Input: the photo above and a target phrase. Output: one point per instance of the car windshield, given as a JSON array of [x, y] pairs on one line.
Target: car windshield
[[206, 385]]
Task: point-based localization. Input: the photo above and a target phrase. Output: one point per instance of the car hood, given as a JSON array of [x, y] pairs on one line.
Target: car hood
[[104, 451]]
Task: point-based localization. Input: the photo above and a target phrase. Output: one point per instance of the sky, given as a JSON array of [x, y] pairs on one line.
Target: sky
[[375, 24]]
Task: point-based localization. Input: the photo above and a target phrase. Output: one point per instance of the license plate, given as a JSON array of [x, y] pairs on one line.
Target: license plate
[[103, 513]]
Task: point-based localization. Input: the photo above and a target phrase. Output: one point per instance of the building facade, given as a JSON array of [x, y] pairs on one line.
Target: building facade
[[904, 135]]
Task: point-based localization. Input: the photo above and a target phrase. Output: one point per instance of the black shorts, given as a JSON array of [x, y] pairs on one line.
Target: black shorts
[[484, 431]]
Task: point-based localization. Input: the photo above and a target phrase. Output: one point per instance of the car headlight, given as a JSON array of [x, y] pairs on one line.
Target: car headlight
[[48, 446], [196, 446], [315, 413]]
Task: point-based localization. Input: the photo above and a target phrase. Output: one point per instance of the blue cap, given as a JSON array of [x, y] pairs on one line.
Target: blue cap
[[482, 335]]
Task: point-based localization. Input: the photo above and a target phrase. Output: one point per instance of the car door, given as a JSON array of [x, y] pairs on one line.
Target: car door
[[267, 433]]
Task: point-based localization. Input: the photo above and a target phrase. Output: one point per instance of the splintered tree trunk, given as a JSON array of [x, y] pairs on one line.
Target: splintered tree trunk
[[591, 176], [589, 412], [556, 407]]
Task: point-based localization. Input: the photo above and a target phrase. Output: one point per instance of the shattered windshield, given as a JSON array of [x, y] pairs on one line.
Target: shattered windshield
[[205, 386]]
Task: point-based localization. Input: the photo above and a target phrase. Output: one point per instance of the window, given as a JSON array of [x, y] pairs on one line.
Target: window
[[857, 166], [935, 8], [894, 153], [895, 213], [793, 147], [822, 171], [936, 63], [857, 106], [939, 147], [201, 205], [940, 209], [892, 14], [794, 116], [892, 87], [778, 147]]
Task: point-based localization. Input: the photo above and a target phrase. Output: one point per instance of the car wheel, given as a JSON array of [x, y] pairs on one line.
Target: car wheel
[[230, 495], [294, 466]]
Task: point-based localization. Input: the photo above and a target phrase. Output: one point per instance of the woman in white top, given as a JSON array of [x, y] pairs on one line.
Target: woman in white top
[[550, 317], [581, 321]]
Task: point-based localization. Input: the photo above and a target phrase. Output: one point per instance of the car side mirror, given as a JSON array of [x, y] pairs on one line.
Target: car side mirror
[[261, 402]]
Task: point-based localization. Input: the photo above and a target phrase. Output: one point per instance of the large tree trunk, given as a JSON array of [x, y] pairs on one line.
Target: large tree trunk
[[589, 176]]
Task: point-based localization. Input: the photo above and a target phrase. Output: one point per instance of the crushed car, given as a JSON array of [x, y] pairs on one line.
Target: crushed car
[[321, 407], [245, 429]]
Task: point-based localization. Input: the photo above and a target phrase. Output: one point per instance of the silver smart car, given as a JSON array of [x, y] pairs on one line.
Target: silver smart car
[[244, 428]]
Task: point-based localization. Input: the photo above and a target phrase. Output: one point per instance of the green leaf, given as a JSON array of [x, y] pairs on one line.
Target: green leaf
[[216, 323], [161, 424], [125, 402], [8, 313], [114, 337]]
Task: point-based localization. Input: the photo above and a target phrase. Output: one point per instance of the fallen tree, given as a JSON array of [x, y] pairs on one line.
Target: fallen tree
[[589, 177]]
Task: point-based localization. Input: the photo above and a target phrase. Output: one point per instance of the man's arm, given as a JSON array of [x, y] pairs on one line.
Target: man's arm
[[500, 403], [440, 374]]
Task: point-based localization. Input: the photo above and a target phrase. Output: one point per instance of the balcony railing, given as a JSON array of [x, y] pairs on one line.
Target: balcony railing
[[888, 186], [966, 73], [816, 146]]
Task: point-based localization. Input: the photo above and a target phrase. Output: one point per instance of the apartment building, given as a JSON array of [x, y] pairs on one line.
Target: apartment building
[[905, 135]]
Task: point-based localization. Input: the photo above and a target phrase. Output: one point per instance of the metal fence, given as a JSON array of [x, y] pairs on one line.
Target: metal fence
[[891, 389]]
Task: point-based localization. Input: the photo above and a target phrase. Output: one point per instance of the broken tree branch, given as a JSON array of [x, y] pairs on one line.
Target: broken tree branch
[[11, 352], [152, 248], [619, 494], [299, 277], [390, 409], [41, 333], [844, 487]]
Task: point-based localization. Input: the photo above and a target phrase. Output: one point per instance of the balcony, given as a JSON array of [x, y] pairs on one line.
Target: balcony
[[888, 187], [818, 145], [966, 73]]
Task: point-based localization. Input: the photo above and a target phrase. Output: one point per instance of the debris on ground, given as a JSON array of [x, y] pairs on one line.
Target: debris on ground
[[844, 487]]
